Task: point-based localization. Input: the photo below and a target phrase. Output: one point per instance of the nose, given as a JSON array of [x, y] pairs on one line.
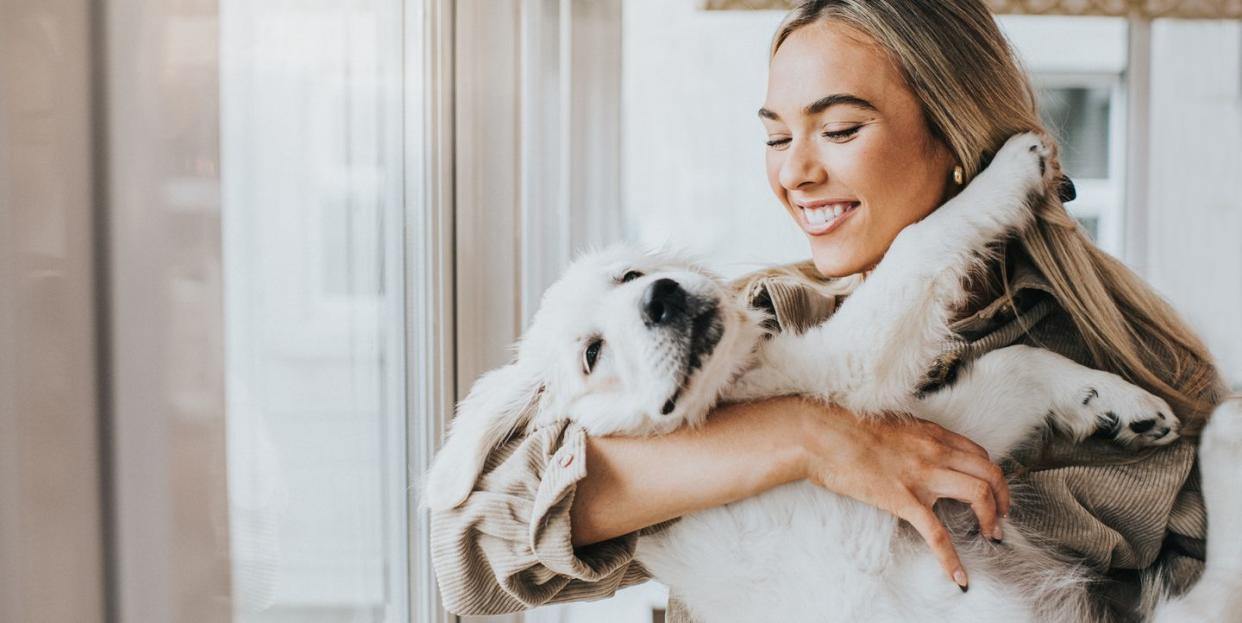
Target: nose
[[663, 301], [802, 166]]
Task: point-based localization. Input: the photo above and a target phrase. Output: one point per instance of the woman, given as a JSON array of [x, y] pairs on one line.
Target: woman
[[877, 111]]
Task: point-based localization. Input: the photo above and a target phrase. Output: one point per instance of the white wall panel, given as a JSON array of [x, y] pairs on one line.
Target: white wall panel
[[1195, 212]]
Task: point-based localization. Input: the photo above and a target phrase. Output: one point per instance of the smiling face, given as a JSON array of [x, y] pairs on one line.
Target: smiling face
[[849, 154]]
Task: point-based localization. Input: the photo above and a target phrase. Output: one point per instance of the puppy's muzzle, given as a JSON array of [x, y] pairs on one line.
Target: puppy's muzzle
[[663, 302]]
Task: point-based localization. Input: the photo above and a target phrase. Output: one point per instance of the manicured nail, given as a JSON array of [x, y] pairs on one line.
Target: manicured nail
[[959, 576]]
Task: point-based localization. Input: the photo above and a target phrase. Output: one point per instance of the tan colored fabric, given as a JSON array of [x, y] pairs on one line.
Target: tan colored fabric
[[507, 547]]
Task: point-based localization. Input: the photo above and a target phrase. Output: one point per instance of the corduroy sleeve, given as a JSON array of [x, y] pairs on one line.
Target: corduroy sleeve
[[508, 547]]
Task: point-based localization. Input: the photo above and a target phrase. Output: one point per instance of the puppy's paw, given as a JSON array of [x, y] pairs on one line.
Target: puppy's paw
[[1113, 409], [1027, 157], [1021, 169]]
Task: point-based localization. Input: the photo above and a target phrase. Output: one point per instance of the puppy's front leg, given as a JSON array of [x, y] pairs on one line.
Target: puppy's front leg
[[874, 351], [1006, 395]]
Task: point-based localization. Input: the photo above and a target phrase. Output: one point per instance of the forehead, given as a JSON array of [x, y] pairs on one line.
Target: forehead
[[590, 276], [612, 264], [825, 58]]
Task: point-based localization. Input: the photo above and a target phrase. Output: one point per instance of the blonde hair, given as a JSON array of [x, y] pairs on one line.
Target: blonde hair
[[974, 95]]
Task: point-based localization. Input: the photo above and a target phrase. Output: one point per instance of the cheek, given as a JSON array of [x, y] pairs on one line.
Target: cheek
[[896, 184], [867, 165]]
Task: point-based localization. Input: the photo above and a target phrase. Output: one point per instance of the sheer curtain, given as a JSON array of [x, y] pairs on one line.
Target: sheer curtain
[[311, 180]]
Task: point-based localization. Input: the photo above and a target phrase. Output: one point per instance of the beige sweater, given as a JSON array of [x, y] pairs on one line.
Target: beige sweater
[[507, 547]]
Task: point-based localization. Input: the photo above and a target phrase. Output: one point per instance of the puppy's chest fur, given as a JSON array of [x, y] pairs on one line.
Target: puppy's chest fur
[[816, 550], [791, 545]]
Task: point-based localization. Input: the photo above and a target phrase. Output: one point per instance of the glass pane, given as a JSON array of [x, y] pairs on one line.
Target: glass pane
[[1079, 116], [1091, 225], [692, 144], [310, 131]]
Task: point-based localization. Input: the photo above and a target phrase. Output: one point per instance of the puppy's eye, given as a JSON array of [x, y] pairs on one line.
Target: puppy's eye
[[630, 276], [591, 354]]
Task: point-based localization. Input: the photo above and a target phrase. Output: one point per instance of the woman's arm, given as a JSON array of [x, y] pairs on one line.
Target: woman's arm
[[902, 465], [633, 482]]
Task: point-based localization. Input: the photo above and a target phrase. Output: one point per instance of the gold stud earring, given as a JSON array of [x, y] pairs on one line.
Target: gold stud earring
[[959, 175]]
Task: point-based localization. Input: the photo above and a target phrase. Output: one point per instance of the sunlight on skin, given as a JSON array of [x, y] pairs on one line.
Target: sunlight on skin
[[875, 155]]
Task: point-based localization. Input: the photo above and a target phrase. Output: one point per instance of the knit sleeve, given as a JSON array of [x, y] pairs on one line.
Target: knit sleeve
[[1116, 509], [508, 547]]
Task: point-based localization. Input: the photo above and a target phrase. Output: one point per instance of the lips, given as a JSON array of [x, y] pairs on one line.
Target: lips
[[821, 217]]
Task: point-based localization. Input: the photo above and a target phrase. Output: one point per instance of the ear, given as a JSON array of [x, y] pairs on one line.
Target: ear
[[500, 403]]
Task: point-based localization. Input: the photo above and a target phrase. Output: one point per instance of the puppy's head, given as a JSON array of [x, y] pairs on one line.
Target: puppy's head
[[626, 342]]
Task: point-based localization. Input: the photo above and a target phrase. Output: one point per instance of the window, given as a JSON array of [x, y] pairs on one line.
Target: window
[[1080, 84], [268, 222], [1081, 111], [312, 207]]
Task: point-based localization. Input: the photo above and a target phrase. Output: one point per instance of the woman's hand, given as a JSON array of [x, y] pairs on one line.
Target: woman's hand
[[903, 465]]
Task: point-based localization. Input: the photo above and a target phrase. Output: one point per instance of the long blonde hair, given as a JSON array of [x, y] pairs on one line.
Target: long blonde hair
[[974, 95]]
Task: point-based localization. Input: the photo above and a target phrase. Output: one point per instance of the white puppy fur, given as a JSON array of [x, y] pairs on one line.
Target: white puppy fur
[[641, 344]]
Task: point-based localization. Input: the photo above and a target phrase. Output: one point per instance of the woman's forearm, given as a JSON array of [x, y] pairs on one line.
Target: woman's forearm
[[631, 483], [902, 465]]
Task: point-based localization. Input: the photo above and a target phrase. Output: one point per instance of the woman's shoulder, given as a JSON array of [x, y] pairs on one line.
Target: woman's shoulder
[[803, 273], [795, 296], [1012, 295]]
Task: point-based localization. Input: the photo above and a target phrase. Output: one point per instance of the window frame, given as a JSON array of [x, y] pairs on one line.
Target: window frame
[[1110, 210], [429, 272]]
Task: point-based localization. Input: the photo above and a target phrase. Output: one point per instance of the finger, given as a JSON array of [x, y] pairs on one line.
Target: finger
[[987, 471], [979, 464], [937, 537], [971, 490], [964, 444]]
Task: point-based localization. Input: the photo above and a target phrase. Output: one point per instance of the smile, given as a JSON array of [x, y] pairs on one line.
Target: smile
[[818, 220]]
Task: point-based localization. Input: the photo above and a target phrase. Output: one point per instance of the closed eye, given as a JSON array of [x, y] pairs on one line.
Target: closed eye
[[840, 135], [591, 355]]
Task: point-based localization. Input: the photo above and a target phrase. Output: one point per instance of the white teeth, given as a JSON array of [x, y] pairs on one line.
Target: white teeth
[[818, 217]]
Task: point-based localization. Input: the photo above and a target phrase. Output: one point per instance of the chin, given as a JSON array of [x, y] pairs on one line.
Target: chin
[[836, 262]]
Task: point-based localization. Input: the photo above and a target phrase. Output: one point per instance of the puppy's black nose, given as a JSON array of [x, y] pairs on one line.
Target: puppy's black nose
[[663, 301]]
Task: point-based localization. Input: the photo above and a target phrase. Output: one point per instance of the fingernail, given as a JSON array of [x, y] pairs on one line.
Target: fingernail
[[959, 576], [999, 534]]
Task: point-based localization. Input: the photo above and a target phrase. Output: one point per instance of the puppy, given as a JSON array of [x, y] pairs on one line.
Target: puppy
[[640, 344]]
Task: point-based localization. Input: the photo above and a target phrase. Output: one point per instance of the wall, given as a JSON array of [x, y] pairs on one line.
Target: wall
[[1195, 220]]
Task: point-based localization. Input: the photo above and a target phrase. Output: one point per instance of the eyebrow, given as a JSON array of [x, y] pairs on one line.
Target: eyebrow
[[824, 103]]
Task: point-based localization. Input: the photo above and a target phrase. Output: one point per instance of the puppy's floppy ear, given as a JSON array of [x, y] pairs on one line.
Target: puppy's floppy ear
[[500, 403]]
